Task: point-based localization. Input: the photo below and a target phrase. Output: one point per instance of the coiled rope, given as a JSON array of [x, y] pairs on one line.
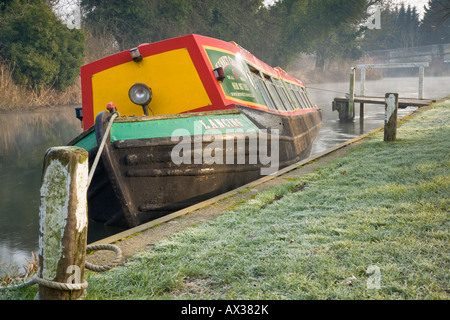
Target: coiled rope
[[94, 247]]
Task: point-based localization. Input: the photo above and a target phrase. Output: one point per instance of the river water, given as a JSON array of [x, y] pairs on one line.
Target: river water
[[25, 137]]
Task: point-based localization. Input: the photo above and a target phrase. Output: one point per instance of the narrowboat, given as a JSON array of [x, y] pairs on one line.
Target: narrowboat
[[179, 121]]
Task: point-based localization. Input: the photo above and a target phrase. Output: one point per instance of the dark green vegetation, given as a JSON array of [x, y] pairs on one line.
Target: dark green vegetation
[[275, 33], [44, 51], [403, 28]]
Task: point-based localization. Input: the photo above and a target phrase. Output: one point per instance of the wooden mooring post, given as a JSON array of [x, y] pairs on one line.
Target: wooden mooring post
[[390, 117], [362, 93], [63, 224], [351, 98]]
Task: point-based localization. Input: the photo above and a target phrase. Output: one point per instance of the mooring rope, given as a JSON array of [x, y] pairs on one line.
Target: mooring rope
[[327, 90], [74, 286], [59, 285], [100, 148], [97, 268]]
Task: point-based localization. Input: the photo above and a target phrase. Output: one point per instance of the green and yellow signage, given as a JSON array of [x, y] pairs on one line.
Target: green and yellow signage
[[238, 83]]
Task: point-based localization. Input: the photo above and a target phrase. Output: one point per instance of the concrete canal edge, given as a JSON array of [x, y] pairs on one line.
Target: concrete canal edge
[[140, 238]]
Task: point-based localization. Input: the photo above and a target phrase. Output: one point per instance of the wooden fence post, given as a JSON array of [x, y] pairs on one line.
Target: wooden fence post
[[362, 93], [421, 76], [390, 117], [351, 98], [63, 222]]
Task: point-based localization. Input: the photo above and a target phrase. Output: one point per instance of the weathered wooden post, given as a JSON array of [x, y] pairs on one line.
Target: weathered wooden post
[[421, 76], [63, 224], [347, 109], [390, 117], [362, 93], [351, 98]]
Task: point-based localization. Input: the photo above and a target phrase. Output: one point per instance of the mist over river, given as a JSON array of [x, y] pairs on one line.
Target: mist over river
[[27, 135]]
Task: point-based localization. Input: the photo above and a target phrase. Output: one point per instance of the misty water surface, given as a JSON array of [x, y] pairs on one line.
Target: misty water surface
[[27, 135]]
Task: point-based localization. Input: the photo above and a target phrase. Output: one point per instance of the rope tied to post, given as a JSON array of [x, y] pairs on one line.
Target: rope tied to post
[[75, 286], [69, 286]]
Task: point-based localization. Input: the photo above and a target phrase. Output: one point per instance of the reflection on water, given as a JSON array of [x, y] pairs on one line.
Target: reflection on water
[[26, 136], [334, 132]]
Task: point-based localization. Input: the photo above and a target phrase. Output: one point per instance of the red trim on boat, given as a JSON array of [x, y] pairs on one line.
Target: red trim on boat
[[194, 44]]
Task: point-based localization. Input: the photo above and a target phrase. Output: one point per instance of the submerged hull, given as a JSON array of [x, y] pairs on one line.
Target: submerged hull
[[141, 179]]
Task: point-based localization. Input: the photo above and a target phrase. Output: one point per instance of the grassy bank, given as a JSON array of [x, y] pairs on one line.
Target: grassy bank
[[18, 97], [373, 224]]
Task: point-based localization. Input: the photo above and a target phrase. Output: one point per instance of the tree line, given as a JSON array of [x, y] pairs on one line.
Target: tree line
[[403, 28], [46, 53], [277, 33]]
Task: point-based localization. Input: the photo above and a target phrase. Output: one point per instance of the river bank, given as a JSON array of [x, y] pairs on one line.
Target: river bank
[[370, 224], [382, 208]]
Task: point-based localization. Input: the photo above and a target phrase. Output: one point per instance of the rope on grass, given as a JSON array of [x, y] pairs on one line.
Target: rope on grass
[[101, 268]]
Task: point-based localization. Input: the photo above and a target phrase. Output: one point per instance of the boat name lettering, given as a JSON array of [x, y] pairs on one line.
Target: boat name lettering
[[240, 86], [221, 123], [242, 94]]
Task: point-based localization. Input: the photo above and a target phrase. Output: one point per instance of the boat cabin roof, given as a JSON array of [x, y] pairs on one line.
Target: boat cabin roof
[[192, 73]]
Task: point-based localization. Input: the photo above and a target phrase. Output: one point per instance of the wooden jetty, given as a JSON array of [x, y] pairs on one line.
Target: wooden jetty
[[341, 104], [346, 105]]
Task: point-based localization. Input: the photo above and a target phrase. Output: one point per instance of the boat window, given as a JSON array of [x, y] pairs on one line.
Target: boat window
[[301, 99], [305, 95], [270, 101], [257, 78], [294, 90], [283, 87], [309, 98], [265, 93], [251, 75], [282, 94], [291, 104], [272, 93], [295, 96], [302, 96], [275, 95]]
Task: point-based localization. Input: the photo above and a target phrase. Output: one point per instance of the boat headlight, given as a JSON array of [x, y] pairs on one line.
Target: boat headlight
[[140, 94]]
